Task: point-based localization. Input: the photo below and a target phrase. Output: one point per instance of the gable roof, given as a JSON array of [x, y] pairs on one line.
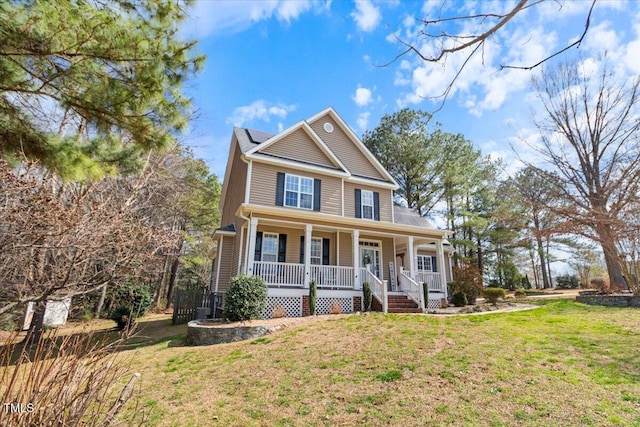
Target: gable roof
[[370, 158]]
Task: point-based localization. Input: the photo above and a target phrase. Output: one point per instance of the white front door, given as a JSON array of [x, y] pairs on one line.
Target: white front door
[[370, 251]]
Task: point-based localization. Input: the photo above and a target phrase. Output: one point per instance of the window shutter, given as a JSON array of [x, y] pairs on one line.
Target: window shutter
[[258, 253], [316, 195], [282, 248], [358, 203], [280, 189], [325, 251], [301, 249], [376, 206], [433, 264]]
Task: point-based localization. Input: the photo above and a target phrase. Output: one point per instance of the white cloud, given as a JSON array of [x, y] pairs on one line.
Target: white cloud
[[226, 16], [366, 15], [362, 97], [259, 110], [363, 120]]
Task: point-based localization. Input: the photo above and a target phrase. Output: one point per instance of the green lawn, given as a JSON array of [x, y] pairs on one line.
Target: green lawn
[[561, 364]]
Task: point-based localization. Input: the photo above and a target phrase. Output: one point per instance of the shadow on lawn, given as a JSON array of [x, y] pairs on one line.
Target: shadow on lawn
[[145, 333]]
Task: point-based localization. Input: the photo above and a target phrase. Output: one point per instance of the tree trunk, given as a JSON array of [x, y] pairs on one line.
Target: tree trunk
[[611, 256], [543, 262], [103, 294]]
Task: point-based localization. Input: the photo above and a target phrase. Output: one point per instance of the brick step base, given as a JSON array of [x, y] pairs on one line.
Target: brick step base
[[402, 304]]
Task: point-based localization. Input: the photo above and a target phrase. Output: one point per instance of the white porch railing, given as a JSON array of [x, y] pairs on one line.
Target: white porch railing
[[280, 273], [412, 289], [378, 288], [433, 280], [332, 276]]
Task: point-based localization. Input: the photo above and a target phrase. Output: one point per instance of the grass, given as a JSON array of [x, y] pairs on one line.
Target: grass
[[561, 364]]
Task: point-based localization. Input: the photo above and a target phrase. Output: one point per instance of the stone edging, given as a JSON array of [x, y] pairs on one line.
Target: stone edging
[[610, 300]]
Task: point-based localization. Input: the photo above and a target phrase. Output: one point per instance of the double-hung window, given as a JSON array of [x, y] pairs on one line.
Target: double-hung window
[[367, 204], [424, 263], [270, 247], [316, 251], [298, 192]]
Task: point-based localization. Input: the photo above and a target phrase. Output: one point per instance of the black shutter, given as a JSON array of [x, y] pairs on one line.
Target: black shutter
[[301, 249], [258, 252], [316, 195], [376, 206], [358, 203], [433, 264], [280, 189], [282, 248], [325, 251]]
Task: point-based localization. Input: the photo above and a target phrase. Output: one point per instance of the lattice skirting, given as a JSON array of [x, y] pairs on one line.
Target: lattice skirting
[[434, 301], [323, 305], [292, 306]]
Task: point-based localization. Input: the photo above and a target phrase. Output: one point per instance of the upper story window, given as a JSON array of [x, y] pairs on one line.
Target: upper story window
[[298, 192], [424, 263], [367, 204]]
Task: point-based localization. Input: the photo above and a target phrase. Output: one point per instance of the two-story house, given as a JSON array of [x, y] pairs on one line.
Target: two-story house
[[313, 203]]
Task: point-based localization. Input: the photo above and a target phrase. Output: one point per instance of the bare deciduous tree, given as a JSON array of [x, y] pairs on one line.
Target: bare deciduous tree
[[590, 136]]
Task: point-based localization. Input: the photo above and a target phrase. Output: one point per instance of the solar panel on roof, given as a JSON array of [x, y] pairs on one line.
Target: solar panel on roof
[[258, 136]]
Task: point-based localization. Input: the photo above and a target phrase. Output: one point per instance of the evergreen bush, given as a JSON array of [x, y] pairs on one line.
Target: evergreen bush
[[246, 298], [313, 296], [366, 295], [492, 295], [459, 299]]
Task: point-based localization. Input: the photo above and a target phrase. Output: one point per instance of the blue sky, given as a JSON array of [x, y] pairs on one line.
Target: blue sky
[[271, 64]]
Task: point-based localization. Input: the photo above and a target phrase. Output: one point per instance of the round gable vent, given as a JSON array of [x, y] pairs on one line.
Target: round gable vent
[[328, 127]]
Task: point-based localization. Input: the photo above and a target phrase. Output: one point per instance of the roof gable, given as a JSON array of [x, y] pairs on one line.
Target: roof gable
[[339, 137], [300, 144]]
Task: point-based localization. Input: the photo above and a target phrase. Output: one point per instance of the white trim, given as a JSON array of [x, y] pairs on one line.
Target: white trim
[[362, 204], [342, 204], [359, 144], [261, 158], [378, 248], [310, 132], [429, 257], [337, 247], [240, 251], [251, 245], [304, 216], [223, 233], [308, 230], [316, 239], [355, 240], [299, 191], [247, 185], [219, 262], [411, 254], [372, 182], [393, 211]]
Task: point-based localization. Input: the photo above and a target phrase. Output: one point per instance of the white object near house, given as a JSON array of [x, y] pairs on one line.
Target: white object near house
[[55, 313]]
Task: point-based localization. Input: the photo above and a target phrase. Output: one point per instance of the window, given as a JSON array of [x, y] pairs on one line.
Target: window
[[367, 204], [316, 251], [270, 247], [298, 192], [424, 263]]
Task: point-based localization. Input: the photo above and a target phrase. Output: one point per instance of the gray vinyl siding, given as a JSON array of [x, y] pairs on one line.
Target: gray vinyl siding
[[344, 148], [299, 146], [346, 249], [226, 263], [263, 187], [388, 252], [235, 189]]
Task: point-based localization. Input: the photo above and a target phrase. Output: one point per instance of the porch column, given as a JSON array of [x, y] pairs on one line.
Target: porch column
[[357, 280], [443, 271], [307, 255], [412, 257], [251, 245]]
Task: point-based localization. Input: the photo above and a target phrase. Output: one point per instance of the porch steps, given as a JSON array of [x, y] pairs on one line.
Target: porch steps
[[402, 304]]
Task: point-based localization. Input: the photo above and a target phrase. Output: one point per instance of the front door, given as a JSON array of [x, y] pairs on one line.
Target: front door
[[370, 251]]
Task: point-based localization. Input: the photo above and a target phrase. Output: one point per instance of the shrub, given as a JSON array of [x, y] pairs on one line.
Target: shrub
[[492, 295], [567, 281], [459, 299], [468, 280], [366, 294], [313, 296], [246, 298], [129, 301], [520, 293], [73, 380]]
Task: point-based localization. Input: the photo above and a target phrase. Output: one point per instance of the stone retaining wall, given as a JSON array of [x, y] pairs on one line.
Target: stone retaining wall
[[206, 333], [610, 300]]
